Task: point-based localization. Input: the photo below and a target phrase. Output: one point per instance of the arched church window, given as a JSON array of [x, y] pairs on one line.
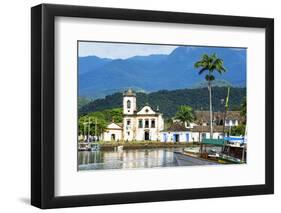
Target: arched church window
[[128, 104], [153, 123], [146, 124], [140, 123]]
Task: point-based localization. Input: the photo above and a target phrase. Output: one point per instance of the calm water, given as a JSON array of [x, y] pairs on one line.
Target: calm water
[[138, 158]]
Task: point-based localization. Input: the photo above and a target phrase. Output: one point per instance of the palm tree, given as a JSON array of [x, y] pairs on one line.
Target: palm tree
[[210, 64], [185, 114]]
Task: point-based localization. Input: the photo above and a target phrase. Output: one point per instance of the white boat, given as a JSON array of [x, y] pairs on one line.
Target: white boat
[[83, 147], [120, 148], [193, 150]]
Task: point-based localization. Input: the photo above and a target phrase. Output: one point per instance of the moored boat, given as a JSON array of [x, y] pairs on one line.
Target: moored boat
[[188, 160], [95, 147], [193, 150], [83, 147]]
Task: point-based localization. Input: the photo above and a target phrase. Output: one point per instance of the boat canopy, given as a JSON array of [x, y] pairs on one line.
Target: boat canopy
[[218, 142], [234, 138], [221, 142]]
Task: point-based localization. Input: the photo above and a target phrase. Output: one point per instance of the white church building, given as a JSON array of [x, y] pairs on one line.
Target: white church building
[[138, 125]]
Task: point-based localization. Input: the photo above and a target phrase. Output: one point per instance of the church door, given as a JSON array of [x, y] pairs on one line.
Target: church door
[[146, 135], [165, 137], [187, 137], [176, 138], [113, 137]]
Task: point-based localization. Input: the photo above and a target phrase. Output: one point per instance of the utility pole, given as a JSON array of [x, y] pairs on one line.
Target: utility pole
[[84, 124], [88, 129], [96, 123], [224, 115], [225, 110]]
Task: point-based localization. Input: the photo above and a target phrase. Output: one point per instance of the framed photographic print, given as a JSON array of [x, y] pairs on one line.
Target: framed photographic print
[[139, 106]]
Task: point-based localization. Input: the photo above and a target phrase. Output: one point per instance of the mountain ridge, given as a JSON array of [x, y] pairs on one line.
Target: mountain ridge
[[169, 101], [156, 71]]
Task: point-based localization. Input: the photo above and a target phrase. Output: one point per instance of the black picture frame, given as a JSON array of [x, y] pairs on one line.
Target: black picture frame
[[43, 111]]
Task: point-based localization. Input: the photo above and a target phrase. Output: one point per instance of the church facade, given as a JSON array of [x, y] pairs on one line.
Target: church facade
[[145, 124]]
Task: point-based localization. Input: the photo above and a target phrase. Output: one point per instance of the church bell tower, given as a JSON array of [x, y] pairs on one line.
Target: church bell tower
[[129, 102]]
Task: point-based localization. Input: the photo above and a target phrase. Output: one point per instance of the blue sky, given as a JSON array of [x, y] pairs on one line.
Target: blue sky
[[120, 50]]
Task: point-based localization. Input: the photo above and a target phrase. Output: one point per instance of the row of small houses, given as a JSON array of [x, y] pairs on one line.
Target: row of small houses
[[179, 132]]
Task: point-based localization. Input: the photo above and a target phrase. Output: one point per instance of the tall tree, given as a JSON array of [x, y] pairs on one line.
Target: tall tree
[[92, 124], [210, 64], [185, 114]]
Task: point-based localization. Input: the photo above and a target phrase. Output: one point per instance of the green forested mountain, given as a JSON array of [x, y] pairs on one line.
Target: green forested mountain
[[215, 83], [83, 101], [169, 101], [99, 76]]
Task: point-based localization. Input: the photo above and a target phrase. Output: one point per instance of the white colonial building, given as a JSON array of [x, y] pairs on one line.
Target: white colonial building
[[200, 129], [177, 132], [145, 124], [231, 118], [114, 132]]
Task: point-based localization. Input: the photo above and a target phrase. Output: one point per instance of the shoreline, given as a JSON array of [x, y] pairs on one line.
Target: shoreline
[[104, 146]]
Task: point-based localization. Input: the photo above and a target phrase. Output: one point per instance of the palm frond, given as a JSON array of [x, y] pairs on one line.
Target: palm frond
[[202, 70], [211, 63], [198, 64]]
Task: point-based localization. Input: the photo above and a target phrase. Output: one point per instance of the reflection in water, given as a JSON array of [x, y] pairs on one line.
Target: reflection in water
[[137, 158]]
